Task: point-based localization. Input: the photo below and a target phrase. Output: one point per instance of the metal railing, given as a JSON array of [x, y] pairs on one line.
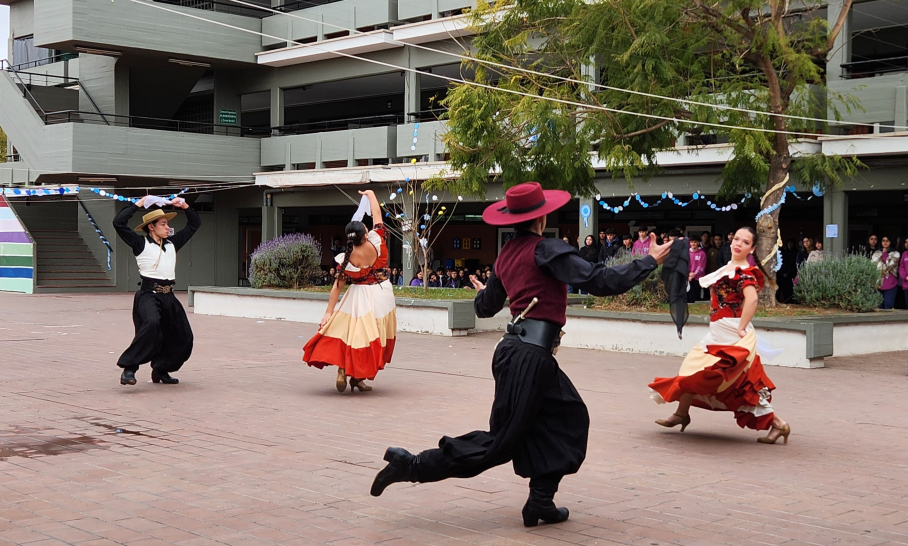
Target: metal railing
[[303, 4], [221, 7], [26, 80], [386, 120], [433, 114], [872, 67], [143, 122], [49, 60]]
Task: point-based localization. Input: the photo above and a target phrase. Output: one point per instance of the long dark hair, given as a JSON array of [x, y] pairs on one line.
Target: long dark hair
[[356, 232], [759, 262]]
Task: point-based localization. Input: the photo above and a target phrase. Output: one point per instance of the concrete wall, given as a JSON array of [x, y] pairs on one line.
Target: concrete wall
[[123, 25], [428, 139], [103, 212], [371, 143], [877, 97], [431, 8], [346, 14]]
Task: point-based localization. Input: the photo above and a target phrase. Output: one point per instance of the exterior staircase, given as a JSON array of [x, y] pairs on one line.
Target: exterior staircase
[[65, 264]]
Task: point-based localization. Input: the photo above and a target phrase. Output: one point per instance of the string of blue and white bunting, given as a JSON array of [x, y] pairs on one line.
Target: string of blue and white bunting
[[74, 190]]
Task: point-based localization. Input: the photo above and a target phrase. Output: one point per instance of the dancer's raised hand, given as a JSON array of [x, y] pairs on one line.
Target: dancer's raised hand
[[659, 252], [477, 284]]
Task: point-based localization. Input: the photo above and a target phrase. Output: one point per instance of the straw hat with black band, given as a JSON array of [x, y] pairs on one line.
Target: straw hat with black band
[[154, 216]]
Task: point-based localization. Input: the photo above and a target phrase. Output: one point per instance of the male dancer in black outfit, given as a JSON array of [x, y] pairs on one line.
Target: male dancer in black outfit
[[538, 420], [163, 335]]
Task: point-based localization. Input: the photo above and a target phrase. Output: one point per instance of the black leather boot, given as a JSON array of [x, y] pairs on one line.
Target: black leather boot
[[402, 467], [128, 377], [163, 377], [541, 503]]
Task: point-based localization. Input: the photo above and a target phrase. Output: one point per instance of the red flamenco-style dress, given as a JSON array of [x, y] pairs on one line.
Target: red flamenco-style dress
[[724, 371], [359, 336]]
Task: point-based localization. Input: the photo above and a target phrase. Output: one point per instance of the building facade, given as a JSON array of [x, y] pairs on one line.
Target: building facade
[[274, 118]]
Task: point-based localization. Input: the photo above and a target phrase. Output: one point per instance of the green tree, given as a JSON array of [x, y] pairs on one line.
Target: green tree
[[2, 146], [766, 56]]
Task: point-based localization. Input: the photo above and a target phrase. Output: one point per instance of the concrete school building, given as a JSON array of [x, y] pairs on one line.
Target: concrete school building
[[273, 137]]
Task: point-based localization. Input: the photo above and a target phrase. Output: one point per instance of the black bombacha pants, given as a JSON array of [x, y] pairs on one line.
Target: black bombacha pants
[[163, 335], [538, 421]]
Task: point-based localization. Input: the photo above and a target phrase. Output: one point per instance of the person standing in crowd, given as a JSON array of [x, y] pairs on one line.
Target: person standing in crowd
[[627, 246], [887, 262], [697, 269], [336, 247], [358, 336], [712, 261], [724, 371], [538, 420], [418, 279], [641, 245], [872, 246], [903, 271], [725, 250], [787, 272], [163, 334], [807, 246], [396, 278], [816, 255], [610, 246], [589, 251], [706, 239]]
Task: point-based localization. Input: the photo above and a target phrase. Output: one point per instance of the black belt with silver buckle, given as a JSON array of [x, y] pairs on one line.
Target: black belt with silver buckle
[[541, 333]]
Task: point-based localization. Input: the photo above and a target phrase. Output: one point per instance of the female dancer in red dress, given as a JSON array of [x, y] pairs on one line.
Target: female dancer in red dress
[[358, 337], [724, 372]]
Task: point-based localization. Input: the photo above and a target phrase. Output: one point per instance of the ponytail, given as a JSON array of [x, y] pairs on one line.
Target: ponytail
[[759, 262], [355, 232]]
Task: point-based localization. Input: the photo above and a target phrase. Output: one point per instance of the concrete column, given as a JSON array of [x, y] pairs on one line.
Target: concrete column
[[351, 151], [277, 106], [226, 97], [901, 107], [435, 9], [835, 212], [589, 225], [841, 51], [411, 92], [288, 157], [272, 221]]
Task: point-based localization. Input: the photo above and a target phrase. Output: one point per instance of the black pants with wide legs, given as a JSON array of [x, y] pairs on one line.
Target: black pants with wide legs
[[538, 421], [163, 335]]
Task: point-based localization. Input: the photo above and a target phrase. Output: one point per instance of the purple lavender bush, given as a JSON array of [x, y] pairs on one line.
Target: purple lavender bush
[[291, 261]]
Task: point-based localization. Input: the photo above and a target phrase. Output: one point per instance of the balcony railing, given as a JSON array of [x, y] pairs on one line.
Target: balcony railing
[[433, 114], [141, 122], [297, 5], [42, 62], [386, 120], [872, 67], [222, 6]]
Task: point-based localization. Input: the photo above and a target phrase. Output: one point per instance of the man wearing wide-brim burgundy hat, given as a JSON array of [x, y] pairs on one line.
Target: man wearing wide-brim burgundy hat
[[538, 421]]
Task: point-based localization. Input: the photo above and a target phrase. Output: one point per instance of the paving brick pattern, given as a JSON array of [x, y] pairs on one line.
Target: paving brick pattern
[[255, 448]]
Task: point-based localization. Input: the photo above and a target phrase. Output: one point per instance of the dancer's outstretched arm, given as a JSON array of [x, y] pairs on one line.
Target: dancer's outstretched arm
[[563, 262]]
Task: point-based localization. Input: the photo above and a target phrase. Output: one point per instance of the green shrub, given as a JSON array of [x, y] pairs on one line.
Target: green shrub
[[291, 261], [848, 283]]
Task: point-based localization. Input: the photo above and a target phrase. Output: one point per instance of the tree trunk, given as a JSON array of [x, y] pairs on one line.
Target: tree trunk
[[768, 226]]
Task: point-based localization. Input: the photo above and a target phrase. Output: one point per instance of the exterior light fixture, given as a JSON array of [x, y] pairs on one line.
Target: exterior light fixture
[[97, 179], [95, 51]]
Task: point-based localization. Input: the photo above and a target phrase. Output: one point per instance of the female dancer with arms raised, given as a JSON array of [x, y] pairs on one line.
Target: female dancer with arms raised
[[724, 372], [358, 337]]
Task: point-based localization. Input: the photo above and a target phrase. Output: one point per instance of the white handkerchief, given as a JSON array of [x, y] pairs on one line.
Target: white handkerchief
[[152, 200], [364, 208]]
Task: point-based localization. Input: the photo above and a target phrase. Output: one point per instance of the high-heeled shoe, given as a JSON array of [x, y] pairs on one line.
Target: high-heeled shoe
[[685, 420], [341, 382], [359, 384], [770, 439]]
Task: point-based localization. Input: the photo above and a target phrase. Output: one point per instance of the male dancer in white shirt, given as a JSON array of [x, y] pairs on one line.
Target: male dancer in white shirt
[[163, 335]]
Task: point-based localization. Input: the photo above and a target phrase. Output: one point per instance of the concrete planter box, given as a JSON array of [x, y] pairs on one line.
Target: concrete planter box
[[806, 340]]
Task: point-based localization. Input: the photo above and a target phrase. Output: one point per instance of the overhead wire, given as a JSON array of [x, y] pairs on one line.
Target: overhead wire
[[563, 78]]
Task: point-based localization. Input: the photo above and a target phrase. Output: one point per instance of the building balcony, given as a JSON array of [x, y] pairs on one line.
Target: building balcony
[[883, 99], [414, 11], [119, 27], [421, 139], [318, 146], [327, 20]]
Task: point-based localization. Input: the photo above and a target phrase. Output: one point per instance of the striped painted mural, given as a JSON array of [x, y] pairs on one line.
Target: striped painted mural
[[17, 267]]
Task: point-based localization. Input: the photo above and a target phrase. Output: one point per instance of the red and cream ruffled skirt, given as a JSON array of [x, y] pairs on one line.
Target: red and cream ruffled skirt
[[359, 336], [724, 373]]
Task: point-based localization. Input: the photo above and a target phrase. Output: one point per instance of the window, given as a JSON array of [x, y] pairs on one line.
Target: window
[[24, 52]]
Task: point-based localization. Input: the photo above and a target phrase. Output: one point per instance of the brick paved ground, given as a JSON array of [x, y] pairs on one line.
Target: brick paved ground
[[255, 448]]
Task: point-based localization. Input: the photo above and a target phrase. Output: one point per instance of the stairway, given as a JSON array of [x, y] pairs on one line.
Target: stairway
[[65, 264]]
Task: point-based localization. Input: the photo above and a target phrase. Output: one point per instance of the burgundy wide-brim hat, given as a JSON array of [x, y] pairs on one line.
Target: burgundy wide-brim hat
[[523, 202]]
